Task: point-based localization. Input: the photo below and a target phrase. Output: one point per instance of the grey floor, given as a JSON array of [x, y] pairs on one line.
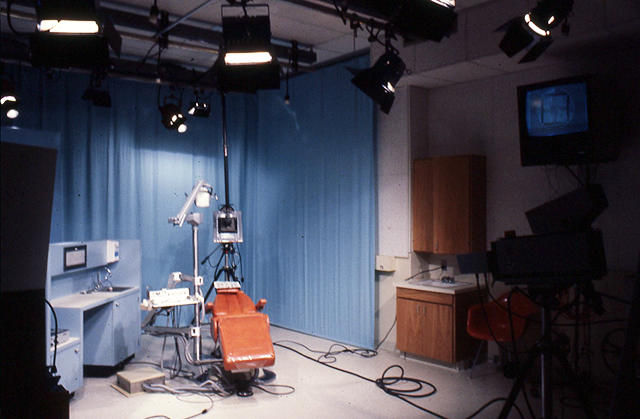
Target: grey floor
[[320, 392]]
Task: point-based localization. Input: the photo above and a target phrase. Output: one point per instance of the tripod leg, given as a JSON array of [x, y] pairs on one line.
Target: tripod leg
[[519, 383]]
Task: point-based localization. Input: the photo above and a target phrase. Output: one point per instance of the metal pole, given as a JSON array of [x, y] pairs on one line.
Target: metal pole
[[196, 291], [546, 360], [224, 146]]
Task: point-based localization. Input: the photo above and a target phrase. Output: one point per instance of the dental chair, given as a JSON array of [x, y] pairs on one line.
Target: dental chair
[[241, 330]]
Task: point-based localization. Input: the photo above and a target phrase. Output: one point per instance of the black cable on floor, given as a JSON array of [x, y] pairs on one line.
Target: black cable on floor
[[385, 382]]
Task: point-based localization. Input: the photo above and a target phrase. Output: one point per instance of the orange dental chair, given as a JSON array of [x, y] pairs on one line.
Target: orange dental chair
[[241, 330]]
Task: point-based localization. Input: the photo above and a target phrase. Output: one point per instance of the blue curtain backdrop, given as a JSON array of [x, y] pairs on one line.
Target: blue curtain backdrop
[[302, 175]]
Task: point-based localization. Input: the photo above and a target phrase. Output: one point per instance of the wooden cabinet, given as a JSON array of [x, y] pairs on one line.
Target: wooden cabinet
[[449, 205], [434, 324]]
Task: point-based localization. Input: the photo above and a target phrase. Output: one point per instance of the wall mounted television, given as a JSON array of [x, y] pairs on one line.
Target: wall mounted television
[[568, 121]]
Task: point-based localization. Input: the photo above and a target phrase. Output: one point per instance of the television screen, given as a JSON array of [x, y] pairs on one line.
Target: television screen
[[568, 121], [557, 110]]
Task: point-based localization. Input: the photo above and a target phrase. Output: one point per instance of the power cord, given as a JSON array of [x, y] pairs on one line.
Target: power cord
[[53, 368], [420, 388], [178, 394]]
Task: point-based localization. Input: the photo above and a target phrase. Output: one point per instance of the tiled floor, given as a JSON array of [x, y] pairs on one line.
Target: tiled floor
[[320, 391]]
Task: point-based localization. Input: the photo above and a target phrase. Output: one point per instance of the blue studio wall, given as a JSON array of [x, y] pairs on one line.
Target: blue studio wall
[[302, 175]]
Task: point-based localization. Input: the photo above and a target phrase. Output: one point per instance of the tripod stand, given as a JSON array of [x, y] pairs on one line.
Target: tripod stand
[[546, 349]]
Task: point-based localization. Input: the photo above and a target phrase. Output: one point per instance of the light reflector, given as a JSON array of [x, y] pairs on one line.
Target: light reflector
[[69, 26]]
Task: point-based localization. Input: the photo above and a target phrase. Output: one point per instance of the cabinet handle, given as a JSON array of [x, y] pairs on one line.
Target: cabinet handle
[[418, 310], [77, 350], [117, 304]]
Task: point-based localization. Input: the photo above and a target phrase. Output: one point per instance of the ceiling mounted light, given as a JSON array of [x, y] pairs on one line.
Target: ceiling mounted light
[[172, 117], [379, 81], [99, 98], [522, 32], [72, 33], [9, 100], [414, 20], [199, 109], [246, 62]]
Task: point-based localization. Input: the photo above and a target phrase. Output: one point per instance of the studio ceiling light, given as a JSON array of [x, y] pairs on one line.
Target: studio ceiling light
[[379, 81], [172, 118], [522, 32], [414, 20], [98, 97], [9, 100], [246, 62], [199, 109], [72, 33]]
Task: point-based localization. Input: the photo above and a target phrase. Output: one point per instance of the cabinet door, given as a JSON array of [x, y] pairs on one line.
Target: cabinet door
[[409, 335], [437, 331], [451, 204], [69, 366], [126, 327], [98, 336], [422, 205]]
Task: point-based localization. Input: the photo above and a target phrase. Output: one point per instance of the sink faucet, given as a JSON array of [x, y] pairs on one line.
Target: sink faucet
[[99, 284]]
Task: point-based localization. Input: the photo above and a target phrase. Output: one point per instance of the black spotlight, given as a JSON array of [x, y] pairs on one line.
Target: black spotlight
[[523, 31], [379, 81], [97, 97], [172, 118], [199, 109], [9, 100]]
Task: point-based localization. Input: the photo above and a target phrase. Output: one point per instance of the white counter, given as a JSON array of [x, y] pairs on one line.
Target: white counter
[[436, 285]]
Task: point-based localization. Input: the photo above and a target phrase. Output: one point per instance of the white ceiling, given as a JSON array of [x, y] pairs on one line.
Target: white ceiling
[[471, 52]]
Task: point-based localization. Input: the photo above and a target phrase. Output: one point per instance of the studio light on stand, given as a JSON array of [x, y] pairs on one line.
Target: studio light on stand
[[533, 30], [379, 81]]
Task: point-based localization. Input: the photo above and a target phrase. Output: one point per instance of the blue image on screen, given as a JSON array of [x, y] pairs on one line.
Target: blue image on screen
[[557, 110]]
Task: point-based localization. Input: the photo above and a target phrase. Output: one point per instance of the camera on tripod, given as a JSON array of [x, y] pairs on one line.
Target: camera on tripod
[[564, 249]]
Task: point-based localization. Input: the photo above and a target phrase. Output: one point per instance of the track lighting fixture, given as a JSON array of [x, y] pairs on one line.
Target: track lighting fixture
[[379, 81], [97, 96], [246, 62], [199, 109], [9, 100], [72, 33], [522, 32], [172, 117]]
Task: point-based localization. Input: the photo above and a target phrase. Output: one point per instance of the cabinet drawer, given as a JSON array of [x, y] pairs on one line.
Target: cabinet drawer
[[426, 296]]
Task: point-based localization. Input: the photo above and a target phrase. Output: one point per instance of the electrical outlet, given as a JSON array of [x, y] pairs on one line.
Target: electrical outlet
[[443, 264]]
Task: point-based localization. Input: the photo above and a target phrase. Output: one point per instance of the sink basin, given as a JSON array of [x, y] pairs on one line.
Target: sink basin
[[113, 289]]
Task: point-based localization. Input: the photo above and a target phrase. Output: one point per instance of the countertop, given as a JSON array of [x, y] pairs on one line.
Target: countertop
[[92, 300], [436, 285]]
